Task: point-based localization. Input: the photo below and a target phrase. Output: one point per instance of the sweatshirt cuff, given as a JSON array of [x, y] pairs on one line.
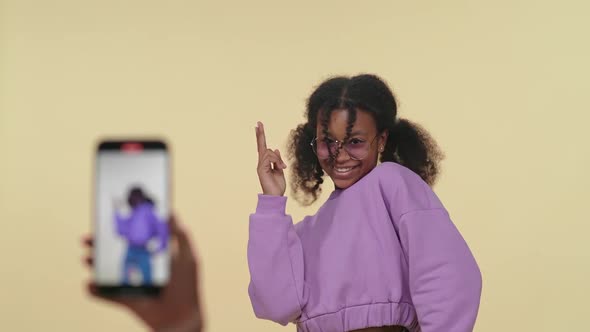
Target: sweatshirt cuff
[[270, 204]]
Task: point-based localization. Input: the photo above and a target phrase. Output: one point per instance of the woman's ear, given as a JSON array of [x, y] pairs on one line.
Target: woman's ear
[[383, 140]]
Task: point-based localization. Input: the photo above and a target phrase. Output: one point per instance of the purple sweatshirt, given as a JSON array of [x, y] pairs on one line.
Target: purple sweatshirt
[[382, 252], [141, 226]]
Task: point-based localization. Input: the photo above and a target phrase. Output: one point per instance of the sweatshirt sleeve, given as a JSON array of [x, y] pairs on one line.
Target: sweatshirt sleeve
[[275, 260], [445, 281], [121, 223]]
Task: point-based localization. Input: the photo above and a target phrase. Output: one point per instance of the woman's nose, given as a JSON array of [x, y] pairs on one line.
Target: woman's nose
[[342, 155]]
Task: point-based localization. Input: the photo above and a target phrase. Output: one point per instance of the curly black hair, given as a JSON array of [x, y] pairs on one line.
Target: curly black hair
[[136, 196], [408, 143]]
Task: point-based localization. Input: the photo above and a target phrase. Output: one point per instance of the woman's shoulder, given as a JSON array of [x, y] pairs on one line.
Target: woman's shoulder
[[388, 172], [402, 185]]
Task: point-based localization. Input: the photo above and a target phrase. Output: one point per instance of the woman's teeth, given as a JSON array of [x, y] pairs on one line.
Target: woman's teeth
[[342, 169]]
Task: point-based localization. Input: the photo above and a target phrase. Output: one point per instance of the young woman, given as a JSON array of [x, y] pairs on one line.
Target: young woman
[[138, 229], [382, 253]]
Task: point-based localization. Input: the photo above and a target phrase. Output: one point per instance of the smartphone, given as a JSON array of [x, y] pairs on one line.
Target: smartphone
[[132, 207]]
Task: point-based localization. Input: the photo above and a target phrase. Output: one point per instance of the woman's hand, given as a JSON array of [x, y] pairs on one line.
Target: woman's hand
[[178, 306], [270, 166]]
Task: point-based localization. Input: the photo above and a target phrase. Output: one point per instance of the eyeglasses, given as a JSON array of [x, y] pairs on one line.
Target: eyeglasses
[[356, 148]]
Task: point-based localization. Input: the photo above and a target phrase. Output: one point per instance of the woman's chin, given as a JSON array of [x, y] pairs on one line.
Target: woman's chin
[[343, 183]]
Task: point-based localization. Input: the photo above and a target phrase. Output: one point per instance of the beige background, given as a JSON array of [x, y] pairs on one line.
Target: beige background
[[502, 85]]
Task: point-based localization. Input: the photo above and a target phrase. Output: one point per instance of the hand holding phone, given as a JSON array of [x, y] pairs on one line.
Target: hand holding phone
[[178, 307]]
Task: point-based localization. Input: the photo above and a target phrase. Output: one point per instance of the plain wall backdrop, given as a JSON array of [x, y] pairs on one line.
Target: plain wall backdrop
[[502, 85]]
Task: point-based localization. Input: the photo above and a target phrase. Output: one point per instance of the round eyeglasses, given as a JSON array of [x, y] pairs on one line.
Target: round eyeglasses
[[356, 148]]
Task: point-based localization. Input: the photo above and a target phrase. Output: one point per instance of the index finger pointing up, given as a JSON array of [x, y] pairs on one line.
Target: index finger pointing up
[[260, 138]]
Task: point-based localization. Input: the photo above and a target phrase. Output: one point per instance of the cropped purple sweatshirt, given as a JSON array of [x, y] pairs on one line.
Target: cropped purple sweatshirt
[[381, 252]]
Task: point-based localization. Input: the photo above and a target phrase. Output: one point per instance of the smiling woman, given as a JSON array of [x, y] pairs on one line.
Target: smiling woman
[[501, 85], [357, 115], [348, 155], [381, 255]]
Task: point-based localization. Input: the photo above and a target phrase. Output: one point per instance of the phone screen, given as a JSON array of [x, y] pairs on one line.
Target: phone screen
[[131, 249]]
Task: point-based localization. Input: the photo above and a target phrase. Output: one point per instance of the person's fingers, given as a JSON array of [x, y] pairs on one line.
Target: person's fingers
[[178, 232], [89, 261], [260, 138], [92, 290], [182, 239], [269, 156], [88, 241], [282, 163], [271, 160], [257, 131], [173, 225]]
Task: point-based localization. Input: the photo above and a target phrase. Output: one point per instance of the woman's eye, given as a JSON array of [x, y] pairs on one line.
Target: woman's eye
[[355, 141], [328, 140]]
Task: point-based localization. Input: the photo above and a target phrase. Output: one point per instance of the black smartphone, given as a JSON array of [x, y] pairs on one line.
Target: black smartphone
[[132, 207]]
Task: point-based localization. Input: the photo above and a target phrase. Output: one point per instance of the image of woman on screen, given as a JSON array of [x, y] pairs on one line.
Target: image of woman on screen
[[138, 229]]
